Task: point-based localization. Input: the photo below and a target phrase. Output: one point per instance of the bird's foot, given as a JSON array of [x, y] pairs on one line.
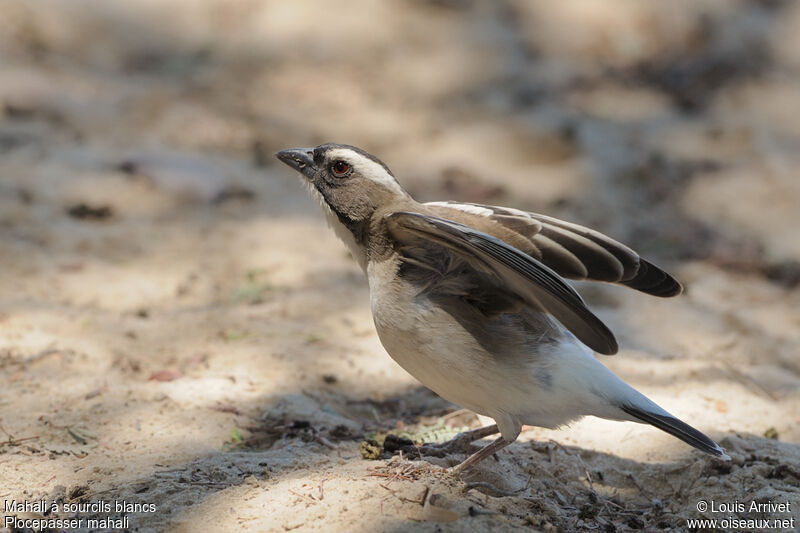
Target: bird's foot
[[458, 444]]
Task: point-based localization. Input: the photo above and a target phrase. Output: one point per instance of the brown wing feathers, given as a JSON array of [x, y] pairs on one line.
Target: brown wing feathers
[[571, 250], [511, 269]]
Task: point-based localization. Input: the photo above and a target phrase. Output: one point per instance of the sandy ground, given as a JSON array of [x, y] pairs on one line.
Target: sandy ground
[[179, 328]]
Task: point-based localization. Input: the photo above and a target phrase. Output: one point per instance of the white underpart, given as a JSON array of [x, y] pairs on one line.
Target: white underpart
[[367, 168], [467, 208], [344, 234], [433, 347]]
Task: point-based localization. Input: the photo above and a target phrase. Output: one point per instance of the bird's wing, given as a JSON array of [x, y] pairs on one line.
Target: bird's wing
[[572, 251], [507, 268]]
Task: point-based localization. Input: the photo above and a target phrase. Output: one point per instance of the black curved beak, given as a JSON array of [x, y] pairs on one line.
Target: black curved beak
[[300, 159]]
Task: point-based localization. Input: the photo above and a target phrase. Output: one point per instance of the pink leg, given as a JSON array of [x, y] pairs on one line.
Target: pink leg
[[468, 437], [480, 455]]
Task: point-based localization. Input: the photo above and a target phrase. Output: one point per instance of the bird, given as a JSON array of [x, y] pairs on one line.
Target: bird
[[472, 301]]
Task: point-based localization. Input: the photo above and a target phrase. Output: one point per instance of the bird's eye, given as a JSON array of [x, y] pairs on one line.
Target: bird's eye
[[340, 168]]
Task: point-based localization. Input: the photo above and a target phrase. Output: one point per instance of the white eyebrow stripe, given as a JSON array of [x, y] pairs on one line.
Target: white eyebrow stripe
[[367, 167]]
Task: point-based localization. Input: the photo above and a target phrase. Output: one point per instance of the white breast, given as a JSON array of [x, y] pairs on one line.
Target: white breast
[[434, 348]]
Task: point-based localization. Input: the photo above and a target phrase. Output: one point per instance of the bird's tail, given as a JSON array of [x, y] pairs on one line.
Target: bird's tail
[[619, 401], [666, 422], [626, 403]]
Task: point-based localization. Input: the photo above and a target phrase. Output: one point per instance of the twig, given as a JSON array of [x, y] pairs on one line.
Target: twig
[[588, 475], [561, 446], [528, 483], [639, 485], [604, 500], [162, 472], [391, 476], [425, 494], [325, 442], [421, 501], [618, 506], [403, 498], [491, 488], [748, 382], [398, 475], [13, 442], [309, 496], [580, 459], [41, 355], [210, 484]]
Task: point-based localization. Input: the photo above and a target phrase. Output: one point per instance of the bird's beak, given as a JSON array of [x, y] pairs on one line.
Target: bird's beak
[[300, 159]]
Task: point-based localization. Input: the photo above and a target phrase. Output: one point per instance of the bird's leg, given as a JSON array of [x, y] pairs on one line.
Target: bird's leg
[[480, 455], [460, 442]]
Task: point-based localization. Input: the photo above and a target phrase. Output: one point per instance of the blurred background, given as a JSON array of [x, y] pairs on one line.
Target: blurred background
[[162, 273]]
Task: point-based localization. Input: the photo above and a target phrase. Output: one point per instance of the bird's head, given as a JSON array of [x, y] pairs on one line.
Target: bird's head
[[345, 179]]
